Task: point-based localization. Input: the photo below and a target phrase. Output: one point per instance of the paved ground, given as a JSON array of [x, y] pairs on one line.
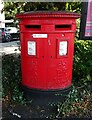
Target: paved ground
[[9, 47], [27, 111]]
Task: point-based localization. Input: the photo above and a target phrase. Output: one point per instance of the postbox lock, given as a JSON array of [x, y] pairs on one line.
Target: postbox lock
[[62, 48], [63, 35], [31, 48]]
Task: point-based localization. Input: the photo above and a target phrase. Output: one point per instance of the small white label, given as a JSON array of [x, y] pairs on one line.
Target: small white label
[[40, 35], [31, 48], [63, 48]]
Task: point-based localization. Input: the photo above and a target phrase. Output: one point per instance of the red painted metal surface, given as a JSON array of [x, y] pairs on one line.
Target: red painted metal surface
[[47, 68]]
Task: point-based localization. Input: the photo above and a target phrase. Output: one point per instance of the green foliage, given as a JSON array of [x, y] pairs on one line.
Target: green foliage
[[73, 6], [79, 99], [77, 104], [82, 70], [13, 8], [11, 78]]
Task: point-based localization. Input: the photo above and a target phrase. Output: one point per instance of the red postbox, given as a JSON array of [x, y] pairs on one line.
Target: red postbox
[[47, 47]]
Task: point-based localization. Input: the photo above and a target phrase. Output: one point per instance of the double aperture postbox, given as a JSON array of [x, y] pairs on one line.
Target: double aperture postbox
[[47, 47]]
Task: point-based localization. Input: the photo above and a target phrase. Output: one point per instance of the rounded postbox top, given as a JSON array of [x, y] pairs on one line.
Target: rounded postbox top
[[41, 14]]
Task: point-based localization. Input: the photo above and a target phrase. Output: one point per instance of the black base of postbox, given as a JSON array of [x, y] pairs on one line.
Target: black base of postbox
[[45, 97]]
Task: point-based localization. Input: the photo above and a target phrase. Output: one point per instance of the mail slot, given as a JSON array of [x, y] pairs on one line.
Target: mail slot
[[47, 47]]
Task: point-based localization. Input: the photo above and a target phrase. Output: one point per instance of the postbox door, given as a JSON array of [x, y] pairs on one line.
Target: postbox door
[[60, 54]]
